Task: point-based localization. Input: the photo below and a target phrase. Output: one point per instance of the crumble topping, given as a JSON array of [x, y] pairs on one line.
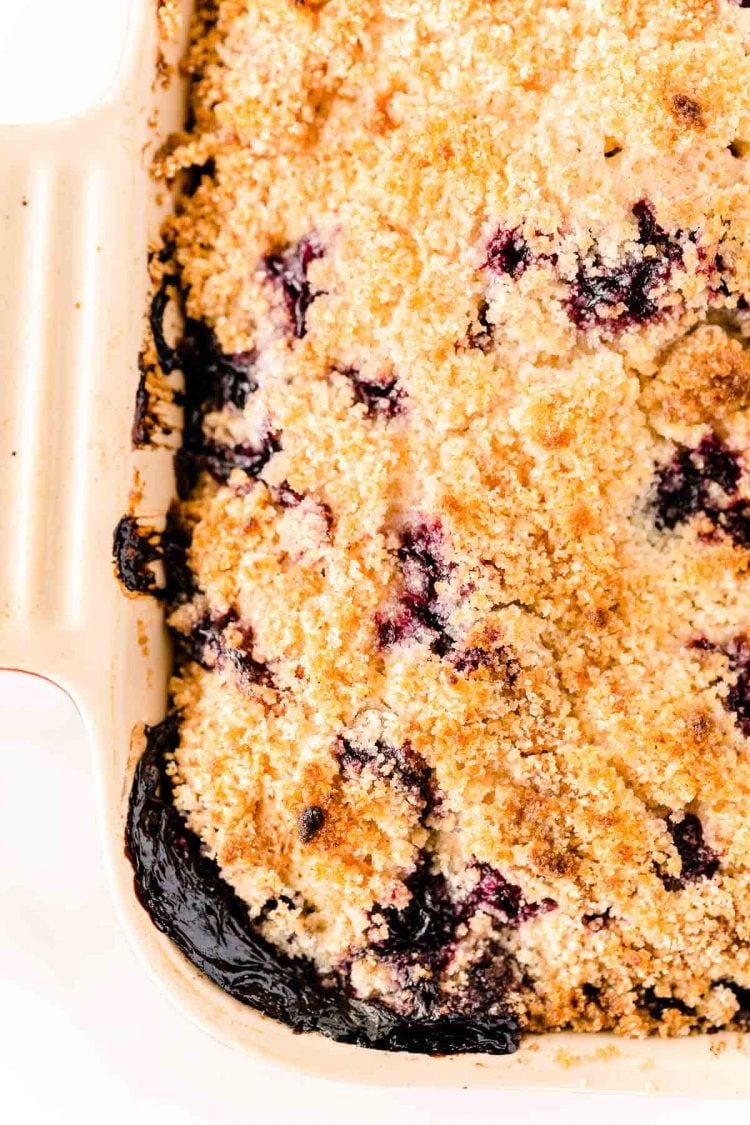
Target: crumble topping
[[462, 620]]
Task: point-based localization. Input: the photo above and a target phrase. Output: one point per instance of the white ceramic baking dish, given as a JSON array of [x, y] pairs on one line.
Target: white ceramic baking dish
[[76, 211]]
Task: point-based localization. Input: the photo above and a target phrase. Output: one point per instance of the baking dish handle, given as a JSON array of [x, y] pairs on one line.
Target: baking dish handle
[[71, 204]]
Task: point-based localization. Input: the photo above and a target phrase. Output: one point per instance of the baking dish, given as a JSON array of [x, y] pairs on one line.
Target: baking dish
[[78, 211]]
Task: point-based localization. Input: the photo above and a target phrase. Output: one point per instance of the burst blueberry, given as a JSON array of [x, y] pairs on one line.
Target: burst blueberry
[[426, 925], [205, 454], [208, 646], [213, 379], [742, 995], [380, 398], [658, 1006], [494, 891], [735, 522], [498, 658], [400, 766], [619, 296], [288, 268], [683, 487], [699, 861], [135, 548], [165, 353], [419, 613], [508, 253], [737, 699]]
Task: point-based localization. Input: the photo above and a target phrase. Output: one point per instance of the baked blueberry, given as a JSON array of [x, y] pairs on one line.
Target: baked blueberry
[[419, 613], [208, 645], [494, 892], [309, 823], [287, 268], [381, 398], [684, 485], [400, 766], [508, 253], [135, 547], [699, 861], [625, 294]]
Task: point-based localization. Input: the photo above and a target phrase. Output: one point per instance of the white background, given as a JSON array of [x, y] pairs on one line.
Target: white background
[[84, 1035], [58, 57]]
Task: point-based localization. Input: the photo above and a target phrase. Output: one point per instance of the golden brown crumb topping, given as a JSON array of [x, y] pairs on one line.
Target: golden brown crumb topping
[[470, 548]]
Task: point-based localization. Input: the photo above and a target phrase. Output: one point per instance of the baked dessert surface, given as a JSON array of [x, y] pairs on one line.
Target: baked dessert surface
[[460, 568]]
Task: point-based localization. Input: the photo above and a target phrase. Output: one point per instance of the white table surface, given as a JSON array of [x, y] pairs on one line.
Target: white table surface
[[86, 1037]]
